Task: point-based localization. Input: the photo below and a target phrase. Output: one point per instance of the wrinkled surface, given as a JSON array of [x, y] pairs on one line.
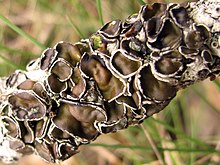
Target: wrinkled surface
[[125, 72]]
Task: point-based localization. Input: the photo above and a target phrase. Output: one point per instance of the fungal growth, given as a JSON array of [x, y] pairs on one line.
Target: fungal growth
[[125, 72]]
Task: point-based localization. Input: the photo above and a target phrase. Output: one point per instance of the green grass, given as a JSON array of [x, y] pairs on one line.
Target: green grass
[[99, 8], [21, 32], [186, 132], [217, 84], [78, 31]]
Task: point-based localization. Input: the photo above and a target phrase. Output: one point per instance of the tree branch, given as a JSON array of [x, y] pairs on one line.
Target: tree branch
[[124, 73]]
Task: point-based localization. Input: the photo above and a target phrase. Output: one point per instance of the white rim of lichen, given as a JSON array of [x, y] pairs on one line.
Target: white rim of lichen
[[7, 155]]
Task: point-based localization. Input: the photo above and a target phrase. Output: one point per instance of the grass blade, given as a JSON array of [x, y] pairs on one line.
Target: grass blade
[[17, 51], [99, 7], [8, 62], [182, 134], [136, 147], [21, 32], [203, 97], [141, 2], [153, 145], [217, 84], [74, 27]]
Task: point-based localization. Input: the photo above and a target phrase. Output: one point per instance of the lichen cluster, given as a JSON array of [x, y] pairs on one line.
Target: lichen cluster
[[125, 72]]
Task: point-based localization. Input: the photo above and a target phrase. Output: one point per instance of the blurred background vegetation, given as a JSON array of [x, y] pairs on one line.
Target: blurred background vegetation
[[186, 132]]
